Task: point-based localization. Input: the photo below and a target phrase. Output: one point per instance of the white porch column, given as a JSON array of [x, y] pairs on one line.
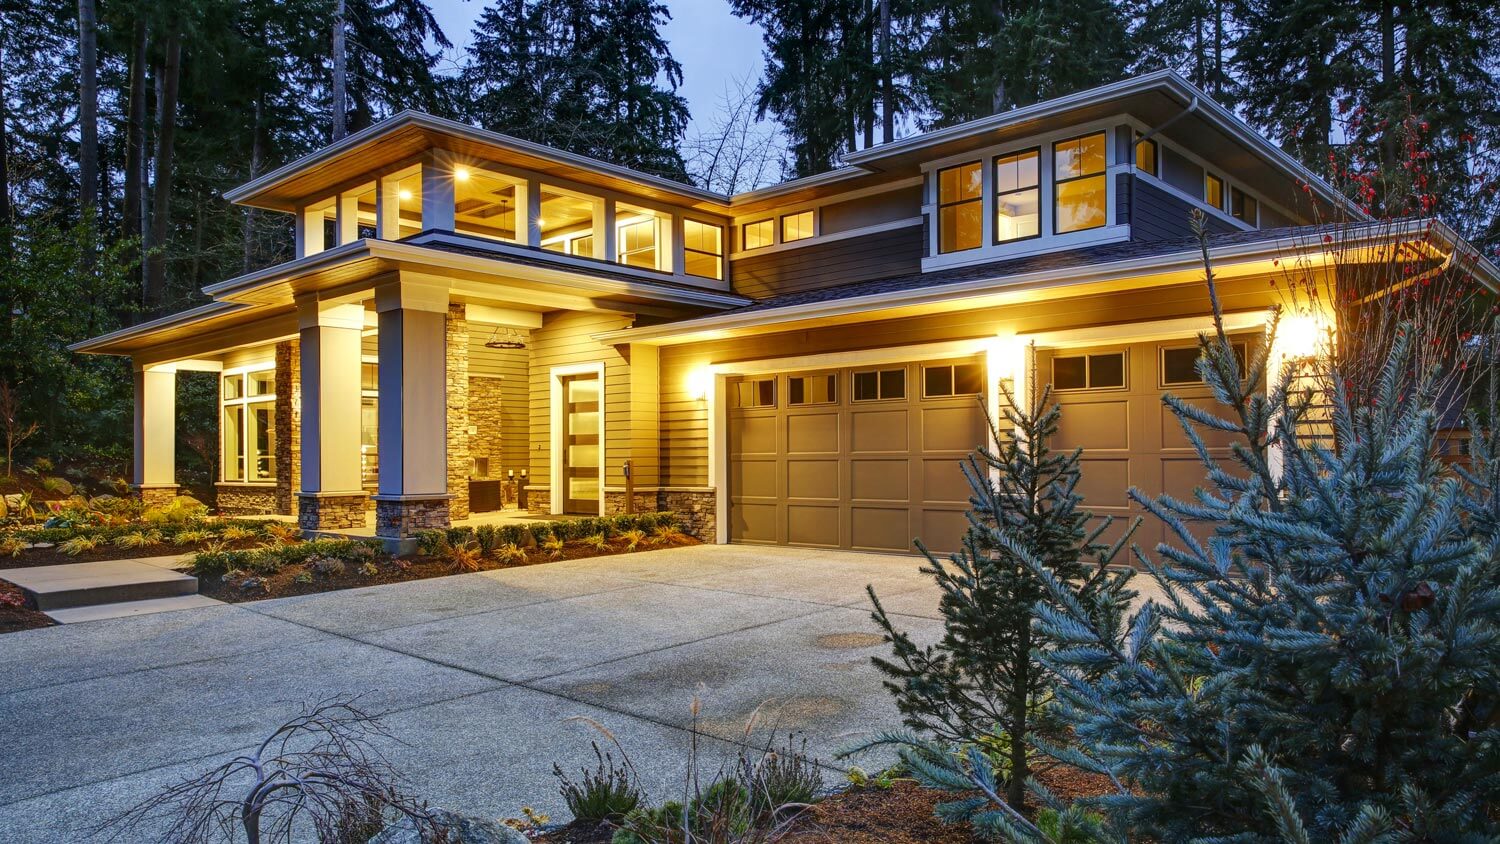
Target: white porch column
[[309, 232], [155, 433], [414, 492], [388, 208], [348, 217], [332, 496]]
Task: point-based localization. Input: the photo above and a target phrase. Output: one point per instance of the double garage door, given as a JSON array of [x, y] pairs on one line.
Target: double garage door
[[860, 458], [869, 458]]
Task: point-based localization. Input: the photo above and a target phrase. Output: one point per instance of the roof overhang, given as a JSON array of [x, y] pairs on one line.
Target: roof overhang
[[1270, 257], [405, 136]]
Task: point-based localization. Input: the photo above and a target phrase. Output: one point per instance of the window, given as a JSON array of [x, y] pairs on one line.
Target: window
[[635, 240], [248, 427], [1088, 372], [702, 249], [797, 226], [758, 392], [812, 389], [369, 424], [880, 385], [1017, 199], [955, 379], [1145, 156], [1180, 365], [566, 223], [1243, 206], [1213, 190], [960, 207], [484, 204], [1081, 190], [757, 234]]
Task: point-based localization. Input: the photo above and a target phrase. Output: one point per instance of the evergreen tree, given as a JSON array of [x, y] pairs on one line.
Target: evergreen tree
[[983, 683], [389, 64], [581, 75]]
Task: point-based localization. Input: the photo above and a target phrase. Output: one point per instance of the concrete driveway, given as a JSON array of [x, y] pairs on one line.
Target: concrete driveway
[[482, 676]]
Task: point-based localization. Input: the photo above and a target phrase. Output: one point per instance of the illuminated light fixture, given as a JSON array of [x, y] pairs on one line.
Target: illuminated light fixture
[[699, 382], [540, 222], [512, 339], [461, 174], [404, 194], [1300, 336]]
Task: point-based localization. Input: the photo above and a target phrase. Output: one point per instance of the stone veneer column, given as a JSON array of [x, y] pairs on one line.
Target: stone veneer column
[[288, 426], [332, 496], [457, 380], [414, 436]]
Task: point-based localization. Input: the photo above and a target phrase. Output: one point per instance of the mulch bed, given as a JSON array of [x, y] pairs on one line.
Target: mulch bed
[[16, 612], [50, 556], [284, 583], [901, 814]]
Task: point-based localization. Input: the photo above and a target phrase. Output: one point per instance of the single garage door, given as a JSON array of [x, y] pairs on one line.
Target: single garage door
[[1112, 409], [863, 458]]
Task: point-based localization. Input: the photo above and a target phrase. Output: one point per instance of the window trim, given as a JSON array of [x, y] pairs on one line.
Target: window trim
[[1241, 342], [745, 226], [1057, 183], [833, 395], [952, 379], [1223, 190], [1235, 192], [246, 401], [1135, 158], [812, 214], [996, 193], [877, 372], [755, 379], [717, 256], [937, 193], [1088, 370]]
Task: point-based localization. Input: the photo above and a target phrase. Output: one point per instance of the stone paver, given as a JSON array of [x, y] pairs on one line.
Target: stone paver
[[487, 679]]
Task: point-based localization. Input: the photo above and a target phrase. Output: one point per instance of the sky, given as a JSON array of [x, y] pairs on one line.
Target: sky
[[713, 46]]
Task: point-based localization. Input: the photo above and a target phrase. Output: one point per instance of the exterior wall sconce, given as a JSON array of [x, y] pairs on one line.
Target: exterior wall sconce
[[699, 382]]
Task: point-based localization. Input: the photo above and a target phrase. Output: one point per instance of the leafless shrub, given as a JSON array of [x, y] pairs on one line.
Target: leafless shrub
[[317, 773]]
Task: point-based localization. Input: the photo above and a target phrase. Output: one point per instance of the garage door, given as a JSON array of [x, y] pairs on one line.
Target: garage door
[[1112, 409], [864, 458]]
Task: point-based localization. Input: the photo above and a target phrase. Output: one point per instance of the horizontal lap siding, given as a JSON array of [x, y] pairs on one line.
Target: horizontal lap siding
[[565, 339], [1158, 215], [821, 265], [685, 422]]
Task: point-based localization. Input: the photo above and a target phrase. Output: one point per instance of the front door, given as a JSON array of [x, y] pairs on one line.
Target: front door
[[580, 443]]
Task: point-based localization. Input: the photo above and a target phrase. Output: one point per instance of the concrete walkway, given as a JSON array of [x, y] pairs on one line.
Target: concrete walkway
[[483, 676]]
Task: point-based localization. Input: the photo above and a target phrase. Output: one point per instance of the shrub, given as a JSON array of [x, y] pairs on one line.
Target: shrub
[[597, 541], [326, 566], [484, 535], [369, 570], [191, 537], [11, 546], [607, 793], [138, 539], [554, 547], [667, 535], [511, 553], [282, 533], [237, 533], [464, 557], [781, 779], [633, 538], [79, 545], [270, 559]]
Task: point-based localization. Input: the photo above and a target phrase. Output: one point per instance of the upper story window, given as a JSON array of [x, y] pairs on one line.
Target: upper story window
[[1146, 156], [757, 234], [1080, 191], [248, 402], [1213, 190], [960, 207], [566, 223], [1243, 206], [484, 204], [702, 249], [797, 226], [638, 237], [1017, 196]]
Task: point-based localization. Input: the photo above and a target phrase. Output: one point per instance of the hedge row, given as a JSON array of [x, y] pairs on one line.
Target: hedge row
[[490, 537], [272, 559], [109, 533]]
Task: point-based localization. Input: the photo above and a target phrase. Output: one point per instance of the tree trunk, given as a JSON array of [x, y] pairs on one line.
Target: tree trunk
[[161, 201], [4, 159], [887, 95], [1389, 87], [1015, 787], [88, 107], [256, 154], [340, 77], [135, 135]]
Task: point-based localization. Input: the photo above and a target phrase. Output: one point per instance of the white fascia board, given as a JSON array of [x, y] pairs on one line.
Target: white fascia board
[[191, 315]]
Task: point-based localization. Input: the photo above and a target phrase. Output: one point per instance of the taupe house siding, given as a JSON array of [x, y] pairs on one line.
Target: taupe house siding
[[820, 265], [1155, 214]]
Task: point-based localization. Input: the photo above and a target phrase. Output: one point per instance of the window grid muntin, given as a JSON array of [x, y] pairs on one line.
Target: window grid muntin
[[880, 384], [974, 371]]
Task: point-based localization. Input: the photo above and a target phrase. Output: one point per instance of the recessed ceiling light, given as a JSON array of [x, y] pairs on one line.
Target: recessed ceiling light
[[406, 194]]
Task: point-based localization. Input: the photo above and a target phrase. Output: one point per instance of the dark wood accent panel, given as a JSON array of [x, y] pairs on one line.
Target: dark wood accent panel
[[1155, 214], [830, 264]]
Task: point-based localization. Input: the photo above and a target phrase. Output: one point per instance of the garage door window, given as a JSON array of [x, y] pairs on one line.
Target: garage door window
[[1089, 372], [1180, 365], [955, 379], [880, 385], [812, 389], [760, 392]]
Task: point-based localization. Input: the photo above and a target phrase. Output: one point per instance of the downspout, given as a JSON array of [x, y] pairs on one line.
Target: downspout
[[1192, 107]]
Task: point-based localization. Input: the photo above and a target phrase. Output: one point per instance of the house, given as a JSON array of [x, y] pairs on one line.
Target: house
[[800, 364]]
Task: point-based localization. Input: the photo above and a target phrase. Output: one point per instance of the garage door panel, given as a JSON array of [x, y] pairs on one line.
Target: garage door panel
[[812, 479], [942, 530], [943, 480], [879, 430], [1094, 424], [812, 525], [753, 522], [1104, 481], [753, 478], [752, 435], [880, 528], [958, 428], [1173, 436], [879, 479], [812, 433]]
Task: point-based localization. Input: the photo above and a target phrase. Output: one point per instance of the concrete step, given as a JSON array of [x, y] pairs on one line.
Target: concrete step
[[105, 582], [129, 608]]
